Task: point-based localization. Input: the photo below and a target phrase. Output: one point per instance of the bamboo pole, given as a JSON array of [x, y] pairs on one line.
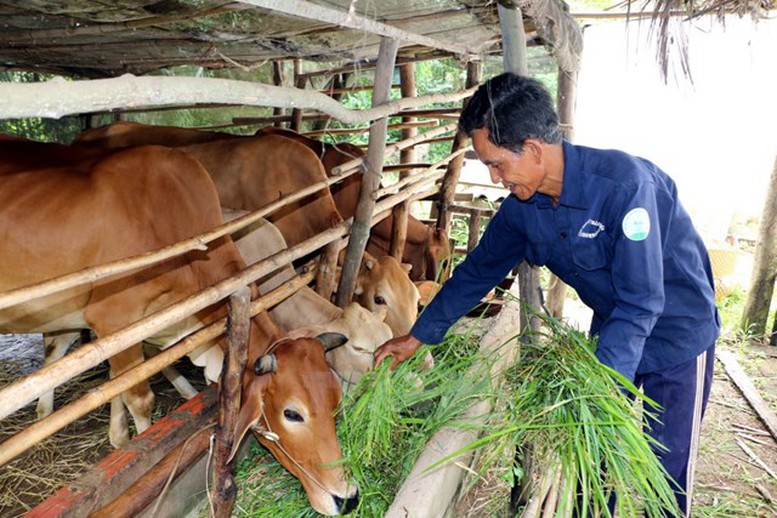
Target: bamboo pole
[[101, 395], [235, 358], [299, 83], [394, 148], [409, 166], [449, 183], [441, 113], [401, 211], [365, 129], [429, 172], [360, 232], [557, 290]]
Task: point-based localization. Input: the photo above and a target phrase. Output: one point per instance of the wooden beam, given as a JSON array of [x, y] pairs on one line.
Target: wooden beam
[[57, 98], [360, 231], [745, 385], [351, 20]]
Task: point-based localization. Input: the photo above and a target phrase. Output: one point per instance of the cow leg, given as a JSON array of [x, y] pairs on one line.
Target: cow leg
[[139, 399], [176, 379], [118, 429], [56, 345]]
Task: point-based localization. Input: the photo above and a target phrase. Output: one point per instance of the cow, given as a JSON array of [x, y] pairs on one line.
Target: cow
[[308, 312], [56, 221], [122, 134], [425, 248]]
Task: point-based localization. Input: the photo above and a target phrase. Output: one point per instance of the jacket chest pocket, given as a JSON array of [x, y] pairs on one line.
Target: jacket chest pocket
[[592, 254]]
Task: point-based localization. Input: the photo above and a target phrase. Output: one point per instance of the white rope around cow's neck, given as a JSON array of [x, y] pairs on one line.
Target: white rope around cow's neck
[[268, 434]]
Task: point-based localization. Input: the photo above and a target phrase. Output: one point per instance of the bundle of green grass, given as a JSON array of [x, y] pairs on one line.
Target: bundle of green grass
[[577, 421], [557, 401]]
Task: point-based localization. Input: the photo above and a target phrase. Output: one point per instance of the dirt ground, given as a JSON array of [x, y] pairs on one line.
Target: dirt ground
[[736, 473], [28, 480]]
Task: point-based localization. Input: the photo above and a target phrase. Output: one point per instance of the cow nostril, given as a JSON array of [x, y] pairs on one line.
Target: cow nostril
[[347, 505]]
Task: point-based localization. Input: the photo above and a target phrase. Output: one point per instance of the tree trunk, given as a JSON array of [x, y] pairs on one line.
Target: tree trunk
[[759, 296]]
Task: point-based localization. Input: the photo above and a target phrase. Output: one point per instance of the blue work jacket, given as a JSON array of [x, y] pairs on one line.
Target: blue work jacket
[[621, 238]]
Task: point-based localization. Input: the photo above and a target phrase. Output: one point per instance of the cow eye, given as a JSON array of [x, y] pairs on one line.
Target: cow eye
[[292, 415], [379, 300]]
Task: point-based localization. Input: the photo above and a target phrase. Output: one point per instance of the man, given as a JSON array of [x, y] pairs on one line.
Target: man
[[611, 226]]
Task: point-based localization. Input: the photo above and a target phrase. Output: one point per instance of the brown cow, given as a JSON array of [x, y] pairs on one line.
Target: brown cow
[[60, 220], [130, 134], [426, 248]]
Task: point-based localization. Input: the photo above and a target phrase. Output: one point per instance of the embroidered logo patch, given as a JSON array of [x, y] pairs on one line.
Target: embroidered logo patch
[[590, 229], [636, 224]]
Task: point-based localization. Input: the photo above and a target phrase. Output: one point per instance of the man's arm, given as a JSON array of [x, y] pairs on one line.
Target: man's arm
[[501, 247], [637, 277]]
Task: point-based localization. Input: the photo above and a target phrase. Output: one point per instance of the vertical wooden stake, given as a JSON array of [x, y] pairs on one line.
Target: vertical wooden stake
[[406, 156], [453, 171], [360, 231], [557, 290], [299, 81], [474, 230], [223, 489], [277, 79]]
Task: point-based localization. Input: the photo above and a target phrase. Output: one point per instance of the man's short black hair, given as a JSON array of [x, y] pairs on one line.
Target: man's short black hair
[[512, 108]]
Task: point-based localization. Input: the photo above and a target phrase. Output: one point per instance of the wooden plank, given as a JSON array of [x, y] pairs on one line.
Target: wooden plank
[[745, 385], [122, 467]]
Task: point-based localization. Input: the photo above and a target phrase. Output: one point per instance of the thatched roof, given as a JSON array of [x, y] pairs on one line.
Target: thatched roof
[[105, 38]]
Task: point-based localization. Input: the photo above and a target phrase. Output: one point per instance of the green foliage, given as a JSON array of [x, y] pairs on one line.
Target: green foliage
[[571, 411]]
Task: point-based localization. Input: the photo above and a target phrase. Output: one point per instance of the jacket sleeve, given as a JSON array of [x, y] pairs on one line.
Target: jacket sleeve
[[642, 219], [501, 247]]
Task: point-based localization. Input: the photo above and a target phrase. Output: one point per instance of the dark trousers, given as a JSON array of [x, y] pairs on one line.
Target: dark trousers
[[682, 392]]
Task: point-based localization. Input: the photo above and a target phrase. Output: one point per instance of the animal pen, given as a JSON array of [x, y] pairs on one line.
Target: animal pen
[[101, 46]]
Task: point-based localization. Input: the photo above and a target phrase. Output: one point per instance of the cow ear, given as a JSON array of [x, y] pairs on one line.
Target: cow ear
[[332, 340], [250, 412], [265, 364], [407, 267], [369, 263]]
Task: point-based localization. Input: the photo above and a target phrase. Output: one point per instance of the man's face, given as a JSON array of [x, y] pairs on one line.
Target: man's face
[[519, 173]]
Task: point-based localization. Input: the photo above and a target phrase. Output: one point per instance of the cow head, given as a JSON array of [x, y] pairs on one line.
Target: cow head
[[289, 402], [385, 282], [366, 331]]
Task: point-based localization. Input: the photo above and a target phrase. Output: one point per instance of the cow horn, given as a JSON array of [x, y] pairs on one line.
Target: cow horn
[[332, 340], [266, 363]]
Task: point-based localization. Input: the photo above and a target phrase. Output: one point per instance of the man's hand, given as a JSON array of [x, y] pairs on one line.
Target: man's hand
[[400, 349]]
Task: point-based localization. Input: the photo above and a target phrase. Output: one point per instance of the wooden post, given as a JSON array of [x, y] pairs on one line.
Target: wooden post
[[451, 178], [474, 230], [406, 156], [223, 489], [277, 79], [371, 176], [300, 81], [514, 60], [557, 290], [759, 296]]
